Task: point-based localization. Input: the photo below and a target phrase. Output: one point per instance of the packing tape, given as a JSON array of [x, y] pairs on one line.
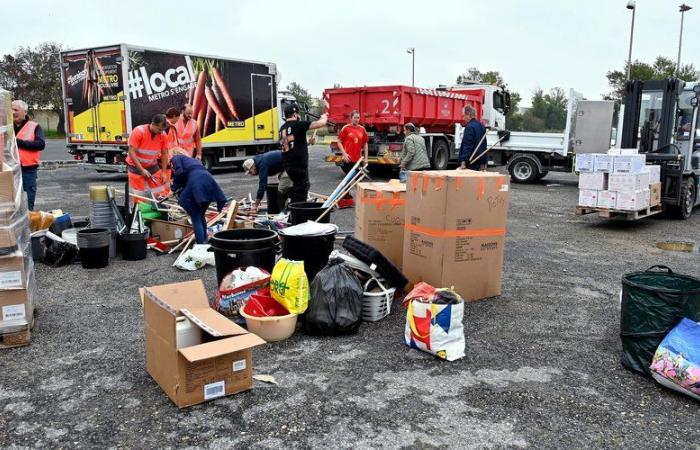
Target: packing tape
[[414, 181], [426, 183], [458, 183], [477, 232], [439, 183], [379, 201]]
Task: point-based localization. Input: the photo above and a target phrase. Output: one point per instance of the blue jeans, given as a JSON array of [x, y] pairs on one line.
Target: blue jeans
[[29, 175], [199, 223]]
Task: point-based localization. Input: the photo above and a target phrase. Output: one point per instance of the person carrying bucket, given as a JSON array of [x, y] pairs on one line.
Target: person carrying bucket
[[196, 190]]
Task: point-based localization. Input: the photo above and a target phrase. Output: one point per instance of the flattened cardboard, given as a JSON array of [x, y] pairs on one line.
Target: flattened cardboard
[[379, 218], [191, 375], [455, 230]]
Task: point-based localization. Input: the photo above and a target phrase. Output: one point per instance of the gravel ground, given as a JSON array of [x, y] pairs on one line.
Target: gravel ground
[[542, 367]]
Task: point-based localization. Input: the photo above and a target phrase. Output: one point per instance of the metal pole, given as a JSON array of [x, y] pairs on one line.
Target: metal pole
[[680, 42], [413, 65], [629, 57]]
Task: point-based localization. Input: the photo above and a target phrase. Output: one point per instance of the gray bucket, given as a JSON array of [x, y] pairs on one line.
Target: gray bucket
[[94, 238]]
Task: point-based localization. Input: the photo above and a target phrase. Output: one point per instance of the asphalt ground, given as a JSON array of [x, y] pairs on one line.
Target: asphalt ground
[[542, 367]]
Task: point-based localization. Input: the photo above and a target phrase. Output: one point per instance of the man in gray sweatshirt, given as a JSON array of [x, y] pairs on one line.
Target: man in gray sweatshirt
[[414, 155]]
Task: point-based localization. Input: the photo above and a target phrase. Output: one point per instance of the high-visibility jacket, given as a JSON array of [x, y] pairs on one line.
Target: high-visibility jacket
[[172, 137], [149, 148], [28, 158], [186, 133]]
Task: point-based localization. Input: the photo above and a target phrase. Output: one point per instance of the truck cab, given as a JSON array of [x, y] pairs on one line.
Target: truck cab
[[495, 104], [661, 121]]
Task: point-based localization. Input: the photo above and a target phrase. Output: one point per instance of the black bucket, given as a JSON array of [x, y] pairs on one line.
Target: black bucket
[[304, 211], [313, 250], [273, 201], [653, 303], [234, 249], [133, 246], [93, 244]]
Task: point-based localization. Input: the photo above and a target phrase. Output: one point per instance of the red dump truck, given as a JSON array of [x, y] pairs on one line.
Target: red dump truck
[[385, 109]]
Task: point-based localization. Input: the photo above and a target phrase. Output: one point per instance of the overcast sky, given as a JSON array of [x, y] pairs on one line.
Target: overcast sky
[[533, 43]]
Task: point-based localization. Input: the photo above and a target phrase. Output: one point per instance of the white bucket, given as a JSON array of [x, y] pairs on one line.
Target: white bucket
[[376, 305]]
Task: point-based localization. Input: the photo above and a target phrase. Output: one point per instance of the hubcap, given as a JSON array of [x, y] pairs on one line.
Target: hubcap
[[522, 170], [441, 158]]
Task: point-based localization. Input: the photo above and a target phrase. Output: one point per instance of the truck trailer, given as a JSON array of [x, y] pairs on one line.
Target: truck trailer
[[110, 90]]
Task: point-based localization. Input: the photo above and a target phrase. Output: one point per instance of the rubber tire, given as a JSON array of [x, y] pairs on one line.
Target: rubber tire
[[208, 161], [531, 175], [542, 174], [688, 194], [441, 155]]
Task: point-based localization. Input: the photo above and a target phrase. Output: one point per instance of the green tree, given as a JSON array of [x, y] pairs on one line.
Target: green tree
[[34, 75], [474, 75], [301, 94], [660, 69], [548, 112]]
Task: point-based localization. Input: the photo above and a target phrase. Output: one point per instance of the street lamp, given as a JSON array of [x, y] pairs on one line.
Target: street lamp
[[633, 6], [683, 8], [412, 51]]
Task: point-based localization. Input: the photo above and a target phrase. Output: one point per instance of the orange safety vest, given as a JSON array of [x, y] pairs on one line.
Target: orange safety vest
[[185, 133], [172, 137], [149, 149], [28, 158]]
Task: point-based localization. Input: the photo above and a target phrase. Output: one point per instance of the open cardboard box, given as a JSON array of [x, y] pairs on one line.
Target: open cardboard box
[[221, 365]]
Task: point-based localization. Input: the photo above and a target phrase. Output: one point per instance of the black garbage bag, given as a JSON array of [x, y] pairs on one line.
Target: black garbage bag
[[653, 303], [335, 305], [60, 254]]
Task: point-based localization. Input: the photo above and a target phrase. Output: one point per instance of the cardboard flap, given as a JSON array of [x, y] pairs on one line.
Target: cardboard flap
[[175, 296], [220, 347], [212, 322]]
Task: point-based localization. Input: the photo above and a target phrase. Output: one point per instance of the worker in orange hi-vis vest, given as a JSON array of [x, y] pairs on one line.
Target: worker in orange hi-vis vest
[[148, 160], [172, 115], [30, 142], [188, 134]]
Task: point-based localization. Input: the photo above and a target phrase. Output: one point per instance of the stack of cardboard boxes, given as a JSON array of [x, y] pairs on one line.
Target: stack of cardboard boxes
[[17, 284], [618, 180]]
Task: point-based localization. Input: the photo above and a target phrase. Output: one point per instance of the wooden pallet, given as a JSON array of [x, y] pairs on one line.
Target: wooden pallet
[[16, 338], [619, 214]]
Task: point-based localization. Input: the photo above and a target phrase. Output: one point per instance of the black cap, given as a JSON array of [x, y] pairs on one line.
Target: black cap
[[290, 110]]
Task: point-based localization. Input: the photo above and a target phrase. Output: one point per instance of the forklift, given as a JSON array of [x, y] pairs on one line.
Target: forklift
[[661, 121]]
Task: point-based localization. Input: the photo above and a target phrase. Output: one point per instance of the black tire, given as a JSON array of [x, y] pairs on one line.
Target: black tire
[[688, 193], [441, 155], [208, 161], [523, 170], [542, 174]]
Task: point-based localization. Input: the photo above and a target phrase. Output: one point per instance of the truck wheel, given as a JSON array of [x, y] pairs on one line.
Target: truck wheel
[[685, 209], [523, 170], [542, 174], [441, 155], [208, 161]]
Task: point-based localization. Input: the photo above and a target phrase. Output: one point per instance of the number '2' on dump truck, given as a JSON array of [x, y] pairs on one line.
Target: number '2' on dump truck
[[110, 90]]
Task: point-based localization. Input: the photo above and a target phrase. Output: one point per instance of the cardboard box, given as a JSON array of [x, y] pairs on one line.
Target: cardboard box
[[629, 163], [607, 199], [654, 173], [629, 182], [15, 234], [654, 194], [633, 201], [588, 198], [220, 366], [614, 151], [585, 162], [629, 151], [17, 306], [14, 270], [455, 230], [9, 183], [593, 180], [169, 231], [379, 217], [604, 162]]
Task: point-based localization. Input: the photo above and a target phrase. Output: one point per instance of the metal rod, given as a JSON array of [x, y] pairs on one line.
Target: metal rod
[[629, 57], [680, 43]]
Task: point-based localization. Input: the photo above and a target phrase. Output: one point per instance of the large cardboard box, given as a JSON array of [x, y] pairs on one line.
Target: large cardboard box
[[169, 231], [14, 270], [604, 162], [607, 199], [15, 234], [585, 162], [588, 198], [628, 181], [455, 230], [221, 365], [379, 217], [17, 306], [597, 181], [654, 173], [629, 163], [654, 194], [633, 201], [9, 183]]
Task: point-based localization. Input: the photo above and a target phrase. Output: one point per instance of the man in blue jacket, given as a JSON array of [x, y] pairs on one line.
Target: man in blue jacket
[[264, 165], [473, 132]]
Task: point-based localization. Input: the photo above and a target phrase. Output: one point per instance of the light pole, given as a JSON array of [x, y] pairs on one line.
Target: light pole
[[633, 6], [683, 8], [412, 51]]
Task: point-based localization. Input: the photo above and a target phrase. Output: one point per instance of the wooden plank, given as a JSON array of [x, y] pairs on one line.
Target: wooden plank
[[232, 211], [606, 213]]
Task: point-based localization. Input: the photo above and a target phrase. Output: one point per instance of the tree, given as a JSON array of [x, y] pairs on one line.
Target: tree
[[301, 94], [548, 112], [34, 75], [660, 69]]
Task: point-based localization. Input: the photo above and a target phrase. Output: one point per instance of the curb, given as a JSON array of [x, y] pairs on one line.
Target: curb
[[52, 165]]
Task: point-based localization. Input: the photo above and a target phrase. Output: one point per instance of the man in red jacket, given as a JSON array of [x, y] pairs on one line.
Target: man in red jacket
[[30, 141], [352, 141]]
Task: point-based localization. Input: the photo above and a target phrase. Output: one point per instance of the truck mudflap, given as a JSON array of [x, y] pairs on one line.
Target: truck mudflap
[[338, 159]]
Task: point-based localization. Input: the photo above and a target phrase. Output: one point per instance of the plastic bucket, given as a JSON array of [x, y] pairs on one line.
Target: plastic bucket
[[133, 246], [94, 244], [653, 303], [376, 304], [273, 204], [60, 224], [242, 248], [313, 250], [301, 212], [268, 319]]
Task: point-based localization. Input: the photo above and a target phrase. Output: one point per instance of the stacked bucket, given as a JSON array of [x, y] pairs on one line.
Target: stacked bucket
[[17, 283], [102, 215]]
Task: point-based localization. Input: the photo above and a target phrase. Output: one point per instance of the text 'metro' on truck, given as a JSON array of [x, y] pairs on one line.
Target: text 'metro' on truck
[[110, 90]]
